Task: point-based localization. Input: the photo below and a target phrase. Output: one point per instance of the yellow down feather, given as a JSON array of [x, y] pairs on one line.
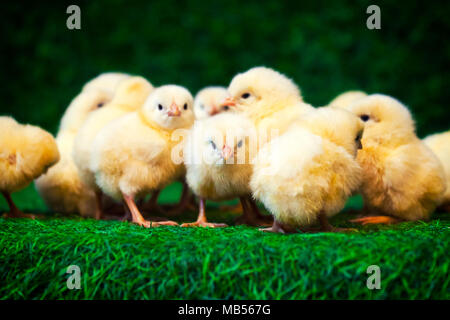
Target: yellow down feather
[[401, 175], [26, 152], [61, 187]]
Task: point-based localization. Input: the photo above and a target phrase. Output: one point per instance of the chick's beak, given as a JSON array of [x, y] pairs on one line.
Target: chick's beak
[[227, 152], [228, 102], [214, 110], [174, 111]]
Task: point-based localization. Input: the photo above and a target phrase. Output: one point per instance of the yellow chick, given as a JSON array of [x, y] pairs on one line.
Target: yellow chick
[[218, 156], [134, 155], [208, 102], [25, 153], [402, 178], [268, 98], [307, 174], [61, 188], [130, 95], [345, 99], [440, 145]]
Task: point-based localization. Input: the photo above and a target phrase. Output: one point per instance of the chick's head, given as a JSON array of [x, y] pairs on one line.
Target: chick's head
[[105, 81], [170, 107], [227, 138], [82, 105], [131, 93], [208, 101], [385, 118], [339, 126], [261, 90], [347, 98], [94, 95]]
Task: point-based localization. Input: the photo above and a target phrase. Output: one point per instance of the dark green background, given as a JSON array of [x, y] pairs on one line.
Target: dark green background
[[323, 45]]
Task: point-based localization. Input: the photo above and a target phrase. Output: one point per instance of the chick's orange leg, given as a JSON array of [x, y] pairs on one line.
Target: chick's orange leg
[[251, 215], [136, 216], [376, 220], [14, 212], [201, 220]]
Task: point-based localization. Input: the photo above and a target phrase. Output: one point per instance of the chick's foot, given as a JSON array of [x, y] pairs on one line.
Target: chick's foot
[[278, 227], [201, 220], [204, 224], [14, 212], [137, 217], [376, 220], [155, 224]]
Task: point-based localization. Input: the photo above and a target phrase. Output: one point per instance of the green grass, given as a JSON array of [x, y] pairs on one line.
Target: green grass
[[123, 261]]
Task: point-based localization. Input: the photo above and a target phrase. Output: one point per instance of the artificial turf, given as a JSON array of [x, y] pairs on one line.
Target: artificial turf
[[123, 261]]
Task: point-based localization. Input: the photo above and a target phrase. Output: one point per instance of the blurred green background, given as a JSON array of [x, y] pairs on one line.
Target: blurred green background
[[323, 45]]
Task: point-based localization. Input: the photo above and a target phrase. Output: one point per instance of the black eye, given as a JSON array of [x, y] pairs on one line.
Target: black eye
[[245, 95], [160, 107], [239, 144], [226, 107], [213, 144], [364, 117], [185, 106], [100, 104]]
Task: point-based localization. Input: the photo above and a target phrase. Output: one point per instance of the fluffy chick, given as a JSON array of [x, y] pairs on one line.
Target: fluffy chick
[[440, 144], [133, 155], [345, 99], [307, 174], [25, 153], [268, 98], [218, 156], [402, 178], [61, 187], [206, 104], [130, 95], [208, 101]]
